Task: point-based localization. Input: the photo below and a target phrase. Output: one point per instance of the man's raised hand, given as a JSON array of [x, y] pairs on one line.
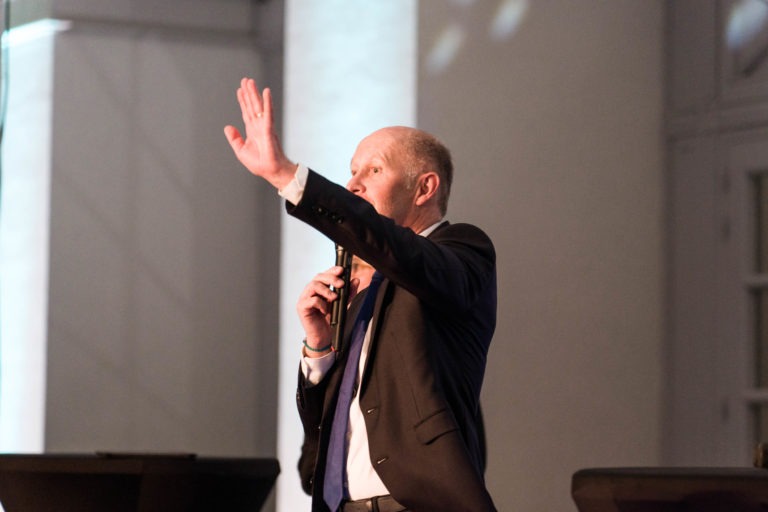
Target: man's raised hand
[[260, 150]]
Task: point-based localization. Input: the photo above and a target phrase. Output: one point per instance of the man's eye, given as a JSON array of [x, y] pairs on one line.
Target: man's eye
[[375, 170]]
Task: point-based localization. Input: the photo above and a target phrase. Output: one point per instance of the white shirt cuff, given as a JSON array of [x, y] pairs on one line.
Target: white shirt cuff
[[315, 368], [294, 191]]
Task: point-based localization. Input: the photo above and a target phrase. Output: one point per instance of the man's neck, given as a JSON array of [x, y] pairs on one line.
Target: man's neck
[[422, 217], [431, 222]]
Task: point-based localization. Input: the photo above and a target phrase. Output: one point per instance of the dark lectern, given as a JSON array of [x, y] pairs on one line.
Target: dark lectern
[[671, 490], [134, 483]]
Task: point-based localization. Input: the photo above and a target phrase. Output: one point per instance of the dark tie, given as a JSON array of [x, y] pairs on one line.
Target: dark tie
[[335, 465]]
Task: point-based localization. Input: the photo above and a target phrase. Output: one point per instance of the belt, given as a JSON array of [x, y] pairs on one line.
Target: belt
[[376, 504]]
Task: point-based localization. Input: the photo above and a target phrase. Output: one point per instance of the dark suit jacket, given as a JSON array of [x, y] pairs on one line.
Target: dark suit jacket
[[434, 317]]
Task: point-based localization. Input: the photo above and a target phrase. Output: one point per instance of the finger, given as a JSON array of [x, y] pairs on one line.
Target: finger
[[331, 277], [316, 310], [246, 104], [318, 287], [322, 290], [267, 105], [246, 96], [233, 136], [318, 305], [253, 97], [313, 305], [245, 108]]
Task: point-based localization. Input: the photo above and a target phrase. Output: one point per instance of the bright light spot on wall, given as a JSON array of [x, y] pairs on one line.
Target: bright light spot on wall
[[444, 50], [745, 21], [508, 18]]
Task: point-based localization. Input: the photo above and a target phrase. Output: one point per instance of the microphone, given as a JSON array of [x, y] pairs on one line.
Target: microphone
[[339, 306]]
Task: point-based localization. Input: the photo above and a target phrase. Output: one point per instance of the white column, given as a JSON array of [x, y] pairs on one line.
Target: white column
[[24, 229], [350, 69]]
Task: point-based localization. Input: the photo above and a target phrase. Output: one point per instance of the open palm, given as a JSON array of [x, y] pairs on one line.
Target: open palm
[[259, 151]]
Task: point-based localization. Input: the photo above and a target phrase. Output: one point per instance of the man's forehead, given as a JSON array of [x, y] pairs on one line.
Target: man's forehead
[[368, 157], [377, 147]]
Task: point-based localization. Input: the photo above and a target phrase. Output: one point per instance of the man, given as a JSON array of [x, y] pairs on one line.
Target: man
[[415, 435]]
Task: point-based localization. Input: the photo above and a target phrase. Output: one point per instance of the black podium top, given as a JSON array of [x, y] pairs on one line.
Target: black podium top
[[670, 490], [134, 483]]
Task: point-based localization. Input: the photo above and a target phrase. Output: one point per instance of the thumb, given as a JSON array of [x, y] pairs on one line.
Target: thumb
[[233, 136]]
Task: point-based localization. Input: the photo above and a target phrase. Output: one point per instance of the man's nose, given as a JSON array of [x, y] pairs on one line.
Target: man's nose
[[355, 185]]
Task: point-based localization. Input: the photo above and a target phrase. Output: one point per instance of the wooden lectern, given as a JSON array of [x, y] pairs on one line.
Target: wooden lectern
[[134, 483], [671, 490]]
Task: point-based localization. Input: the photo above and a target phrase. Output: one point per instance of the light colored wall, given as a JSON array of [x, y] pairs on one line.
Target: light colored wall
[[556, 135], [163, 288]]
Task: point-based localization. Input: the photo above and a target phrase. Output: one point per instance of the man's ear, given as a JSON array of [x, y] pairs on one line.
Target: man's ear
[[426, 187]]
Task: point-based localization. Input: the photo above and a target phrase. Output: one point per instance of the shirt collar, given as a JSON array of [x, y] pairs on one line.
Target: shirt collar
[[430, 229]]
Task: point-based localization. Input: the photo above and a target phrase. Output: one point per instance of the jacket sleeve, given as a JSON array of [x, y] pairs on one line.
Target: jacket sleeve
[[450, 269], [309, 401]]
